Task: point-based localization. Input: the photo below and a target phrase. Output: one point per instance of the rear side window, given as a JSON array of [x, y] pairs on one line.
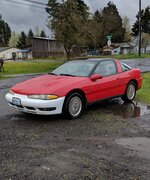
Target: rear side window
[[106, 68], [125, 67]]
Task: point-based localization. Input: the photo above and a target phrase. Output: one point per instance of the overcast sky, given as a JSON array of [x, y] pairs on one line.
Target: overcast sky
[[22, 17]]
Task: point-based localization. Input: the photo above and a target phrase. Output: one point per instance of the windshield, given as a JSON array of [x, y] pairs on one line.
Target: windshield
[[75, 68]]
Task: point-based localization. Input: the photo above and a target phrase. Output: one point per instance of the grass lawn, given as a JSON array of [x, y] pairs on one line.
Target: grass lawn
[[143, 95], [26, 67], [120, 56]]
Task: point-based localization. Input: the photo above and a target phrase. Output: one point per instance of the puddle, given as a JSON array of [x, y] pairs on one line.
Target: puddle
[[126, 110], [139, 144]]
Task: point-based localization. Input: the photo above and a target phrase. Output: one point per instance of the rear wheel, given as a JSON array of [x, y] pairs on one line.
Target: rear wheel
[[74, 105], [130, 92]]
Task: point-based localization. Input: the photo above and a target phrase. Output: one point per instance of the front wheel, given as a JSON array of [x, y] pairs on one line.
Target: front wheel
[[74, 106], [130, 92]]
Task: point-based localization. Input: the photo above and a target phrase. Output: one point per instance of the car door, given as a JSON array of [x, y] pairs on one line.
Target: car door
[[108, 85]]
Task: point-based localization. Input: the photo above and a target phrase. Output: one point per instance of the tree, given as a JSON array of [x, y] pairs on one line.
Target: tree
[[108, 22], [66, 20], [43, 34], [112, 23], [145, 22], [29, 37], [145, 41], [126, 26], [5, 32], [30, 33], [22, 40], [13, 41]]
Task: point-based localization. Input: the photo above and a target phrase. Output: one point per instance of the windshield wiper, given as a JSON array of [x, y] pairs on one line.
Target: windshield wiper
[[67, 75], [52, 73]]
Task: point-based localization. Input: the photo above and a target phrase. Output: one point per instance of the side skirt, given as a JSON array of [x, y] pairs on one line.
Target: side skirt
[[100, 100]]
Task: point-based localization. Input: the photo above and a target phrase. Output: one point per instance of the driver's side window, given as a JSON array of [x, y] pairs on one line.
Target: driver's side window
[[106, 68]]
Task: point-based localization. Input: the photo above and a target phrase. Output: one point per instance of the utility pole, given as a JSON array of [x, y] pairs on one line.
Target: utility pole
[[140, 28]]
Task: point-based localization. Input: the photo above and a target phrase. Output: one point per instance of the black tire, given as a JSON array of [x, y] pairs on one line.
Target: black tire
[[73, 106], [130, 92]]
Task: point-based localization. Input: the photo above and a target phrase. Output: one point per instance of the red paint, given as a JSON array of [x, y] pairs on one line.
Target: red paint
[[108, 86]]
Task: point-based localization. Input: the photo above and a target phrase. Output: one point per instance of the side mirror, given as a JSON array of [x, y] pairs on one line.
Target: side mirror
[[94, 77]]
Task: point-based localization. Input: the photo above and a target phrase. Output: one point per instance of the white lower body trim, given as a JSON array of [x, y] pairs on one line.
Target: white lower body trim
[[36, 106]]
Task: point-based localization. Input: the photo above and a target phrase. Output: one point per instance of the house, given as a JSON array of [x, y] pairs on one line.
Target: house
[[135, 43], [8, 53], [118, 48], [107, 50], [25, 53], [46, 47], [123, 48]]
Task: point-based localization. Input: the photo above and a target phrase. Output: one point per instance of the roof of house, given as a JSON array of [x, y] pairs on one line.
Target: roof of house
[[125, 45], [4, 48], [28, 49], [107, 48], [44, 38]]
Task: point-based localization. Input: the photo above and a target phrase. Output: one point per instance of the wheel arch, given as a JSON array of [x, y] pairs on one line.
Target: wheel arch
[[135, 82], [81, 92]]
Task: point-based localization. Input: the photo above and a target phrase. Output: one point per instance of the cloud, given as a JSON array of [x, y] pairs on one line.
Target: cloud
[[23, 17]]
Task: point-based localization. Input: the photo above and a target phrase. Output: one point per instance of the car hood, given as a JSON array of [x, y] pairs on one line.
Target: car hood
[[48, 84]]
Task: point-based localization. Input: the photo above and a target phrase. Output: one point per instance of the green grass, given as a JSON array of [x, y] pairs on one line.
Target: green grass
[[120, 56], [26, 67], [143, 95]]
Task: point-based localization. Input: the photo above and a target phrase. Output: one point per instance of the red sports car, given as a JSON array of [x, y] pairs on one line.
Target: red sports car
[[73, 85]]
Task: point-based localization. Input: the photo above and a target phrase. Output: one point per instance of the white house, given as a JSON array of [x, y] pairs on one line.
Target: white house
[[115, 51], [8, 52], [124, 48], [25, 53], [135, 43]]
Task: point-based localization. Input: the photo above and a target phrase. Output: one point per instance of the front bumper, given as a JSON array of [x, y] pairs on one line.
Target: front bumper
[[36, 106]]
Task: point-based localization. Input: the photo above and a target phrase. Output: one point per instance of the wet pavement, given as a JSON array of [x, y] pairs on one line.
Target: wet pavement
[[110, 141], [142, 64], [140, 144]]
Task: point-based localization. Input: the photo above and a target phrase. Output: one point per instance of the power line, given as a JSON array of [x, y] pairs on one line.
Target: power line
[[35, 2], [38, 11], [12, 1]]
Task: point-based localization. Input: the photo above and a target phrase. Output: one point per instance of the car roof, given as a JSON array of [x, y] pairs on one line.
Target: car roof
[[99, 59], [93, 59]]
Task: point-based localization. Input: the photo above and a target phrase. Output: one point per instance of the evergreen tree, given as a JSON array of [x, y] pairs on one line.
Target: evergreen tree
[[5, 32], [145, 22], [112, 23], [29, 37], [43, 34], [22, 40], [30, 33], [108, 22]]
